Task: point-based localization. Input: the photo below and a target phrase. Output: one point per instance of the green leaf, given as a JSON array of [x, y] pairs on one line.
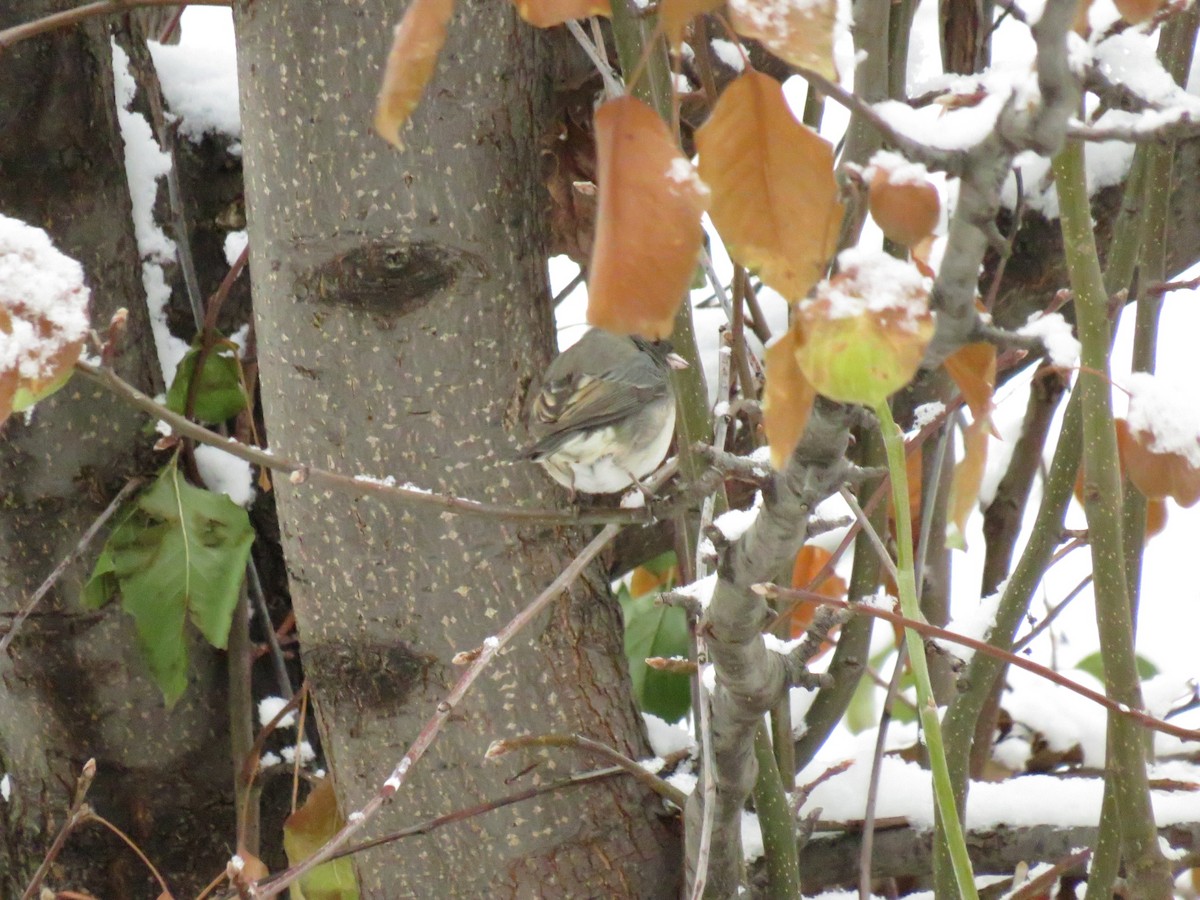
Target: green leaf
[[102, 586], [219, 394], [652, 629], [181, 553], [306, 831], [1094, 666]]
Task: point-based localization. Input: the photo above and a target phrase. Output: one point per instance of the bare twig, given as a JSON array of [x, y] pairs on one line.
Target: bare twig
[[76, 815], [302, 472], [52, 579], [864, 523], [461, 815], [478, 660], [66, 18], [949, 161], [867, 850], [924, 628], [129, 842], [580, 742], [278, 663], [612, 83]]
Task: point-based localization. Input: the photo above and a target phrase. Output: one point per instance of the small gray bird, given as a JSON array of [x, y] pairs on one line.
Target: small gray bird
[[605, 414]]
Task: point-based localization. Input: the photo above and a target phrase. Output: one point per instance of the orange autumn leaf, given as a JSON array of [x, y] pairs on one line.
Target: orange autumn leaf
[[968, 477], [1080, 25], [644, 580], [787, 399], [1155, 473], [797, 31], [774, 196], [648, 232], [1156, 508], [903, 202], [418, 40], [807, 566], [548, 13], [1135, 12], [675, 15], [973, 368]]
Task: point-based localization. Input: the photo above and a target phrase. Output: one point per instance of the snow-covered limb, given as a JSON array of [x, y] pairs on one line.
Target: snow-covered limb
[[1035, 120], [750, 679]]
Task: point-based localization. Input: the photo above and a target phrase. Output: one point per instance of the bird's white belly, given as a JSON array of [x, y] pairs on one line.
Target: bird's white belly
[[585, 462]]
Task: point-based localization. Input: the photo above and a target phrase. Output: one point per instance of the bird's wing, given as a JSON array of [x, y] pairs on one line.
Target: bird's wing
[[580, 403]]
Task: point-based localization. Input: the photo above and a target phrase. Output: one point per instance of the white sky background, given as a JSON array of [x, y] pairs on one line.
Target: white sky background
[[1169, 624]]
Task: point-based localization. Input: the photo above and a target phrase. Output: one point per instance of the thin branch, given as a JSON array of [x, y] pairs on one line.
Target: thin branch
[[461, 815], [949, 161], [67, 561], [1158, 131], [278, 663], [358, 484], [612, 83], [864, 523], [76, 815], [66, 18], [643, 775], [129, 842], [1165, 287], [1052, 615], [867, 850], [927, 630], [477, 660]]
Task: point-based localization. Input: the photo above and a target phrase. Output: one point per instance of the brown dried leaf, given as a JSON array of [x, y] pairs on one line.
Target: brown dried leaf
[[1135, 12], [968, 477], [774, 195], [1155, 474], [787, 399], [675, 15], [906, 211], [973, 368], [648, 232], [548, 13], [418, 40], [797, 31]]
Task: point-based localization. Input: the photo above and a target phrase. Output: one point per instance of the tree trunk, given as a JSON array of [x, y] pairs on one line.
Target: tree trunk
[[72, 685], [402, 314]]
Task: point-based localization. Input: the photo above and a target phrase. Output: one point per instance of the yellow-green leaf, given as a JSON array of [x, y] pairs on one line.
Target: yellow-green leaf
[[306, 831]]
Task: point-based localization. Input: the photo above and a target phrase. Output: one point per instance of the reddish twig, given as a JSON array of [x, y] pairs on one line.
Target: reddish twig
[[772, 591], [68, 17]]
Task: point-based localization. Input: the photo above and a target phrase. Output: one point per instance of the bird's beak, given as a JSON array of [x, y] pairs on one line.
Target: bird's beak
[[676, 362]]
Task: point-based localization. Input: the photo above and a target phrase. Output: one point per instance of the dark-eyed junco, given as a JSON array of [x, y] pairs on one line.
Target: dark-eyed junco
[[605, 414]]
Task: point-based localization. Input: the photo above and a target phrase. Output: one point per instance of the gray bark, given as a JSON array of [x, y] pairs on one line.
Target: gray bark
[[401, 313], [72, 686]]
